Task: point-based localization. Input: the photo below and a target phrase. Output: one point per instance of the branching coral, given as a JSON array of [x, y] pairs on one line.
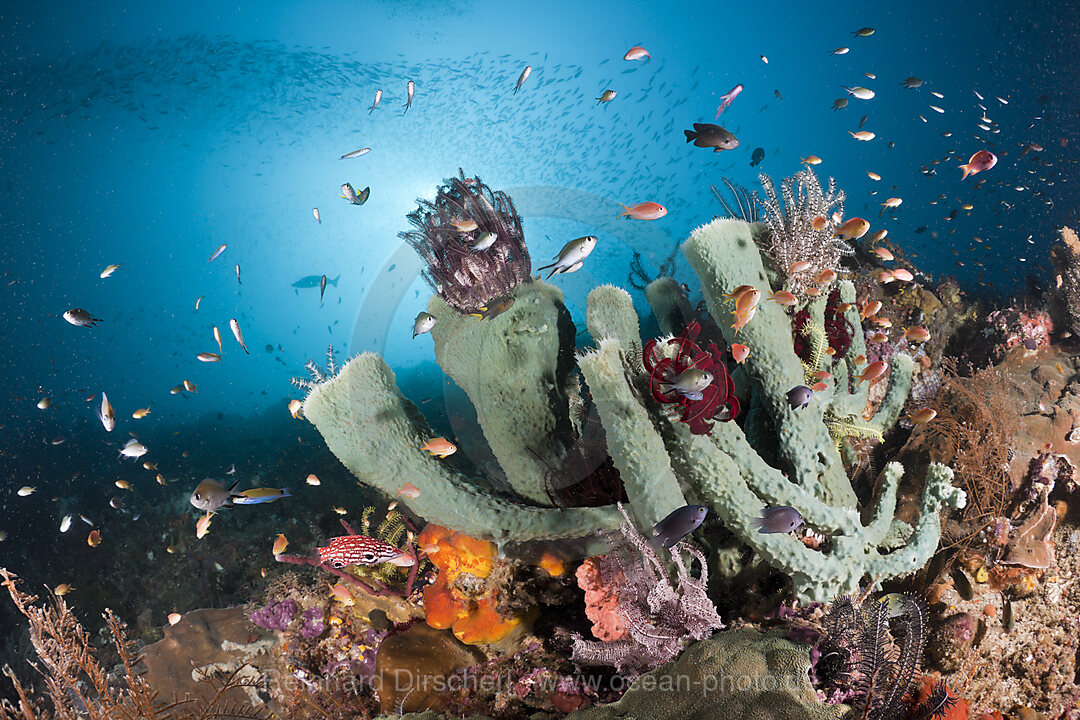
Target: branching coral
[[80, 687], [792, 236], [465, 278], [660, 614]]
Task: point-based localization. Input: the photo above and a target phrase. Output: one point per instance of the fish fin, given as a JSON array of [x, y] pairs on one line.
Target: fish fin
[[690, 135], [656, 542], [232, 489], [334, 281], [967, 170]]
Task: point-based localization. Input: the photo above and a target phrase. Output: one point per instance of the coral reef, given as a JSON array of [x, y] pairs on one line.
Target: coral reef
[[464, 278], [79, 685], [735, 673], [659, 614], [727, 473], [793, 236]]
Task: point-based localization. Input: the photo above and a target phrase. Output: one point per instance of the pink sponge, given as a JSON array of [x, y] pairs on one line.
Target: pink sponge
[[600, 578]]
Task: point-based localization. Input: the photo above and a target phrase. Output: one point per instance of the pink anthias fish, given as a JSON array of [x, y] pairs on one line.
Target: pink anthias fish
[[644, 211], [636, 53], [727, 98]]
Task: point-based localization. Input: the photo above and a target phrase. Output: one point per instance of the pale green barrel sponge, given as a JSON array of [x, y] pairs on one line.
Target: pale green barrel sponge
[[377, 434], [514, 369]]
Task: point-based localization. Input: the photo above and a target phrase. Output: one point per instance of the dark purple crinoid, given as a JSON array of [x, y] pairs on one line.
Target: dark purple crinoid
[[462, 276], [717, 402]]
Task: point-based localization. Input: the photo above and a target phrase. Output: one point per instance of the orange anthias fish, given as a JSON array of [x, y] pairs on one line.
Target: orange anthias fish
[[747, 301], [636, 53], [644, 211], [870, 309], [902, 274], [738, 292], [873, 371], [739, 353], [743, 319], [439, 446], [982, 160], [852, 229], [878, 337], [409, 491], [203, 525], [819, 222], [883, 253], [917, 334], [784, 298], [802, 265], [825, 277]]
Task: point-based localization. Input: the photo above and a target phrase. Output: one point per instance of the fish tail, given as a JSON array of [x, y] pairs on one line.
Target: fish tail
[[967, 170], [334, 281], [690, 135], [656, 542]]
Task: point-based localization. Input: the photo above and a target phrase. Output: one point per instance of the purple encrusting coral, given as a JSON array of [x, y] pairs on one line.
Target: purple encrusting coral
[[314, 623], [465, 278], [276, 615]]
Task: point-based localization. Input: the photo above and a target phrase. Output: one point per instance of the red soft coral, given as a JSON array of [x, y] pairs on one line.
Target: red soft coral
[[718, 401]]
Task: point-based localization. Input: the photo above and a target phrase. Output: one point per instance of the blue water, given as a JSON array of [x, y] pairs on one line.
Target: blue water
[[150, 134]]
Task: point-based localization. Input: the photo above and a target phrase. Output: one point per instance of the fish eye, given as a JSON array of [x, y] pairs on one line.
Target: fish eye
[[198, 496], [338, 564]]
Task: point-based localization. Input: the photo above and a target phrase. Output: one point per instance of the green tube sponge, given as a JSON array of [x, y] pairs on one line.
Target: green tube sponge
[[377, 434], [669, 304], [633, 442], [724, 256], [514, 369], [610, 313]]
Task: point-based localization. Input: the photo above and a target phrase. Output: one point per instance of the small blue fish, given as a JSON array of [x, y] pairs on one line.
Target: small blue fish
[[799, 396], [677, 525], [782, 519]]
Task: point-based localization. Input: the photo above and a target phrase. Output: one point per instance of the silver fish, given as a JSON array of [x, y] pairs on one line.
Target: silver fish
[[523, 77], [106, 415], [315, 212], [423, 323], [606, 96], [378, 97], [80, 317], [411, 90], [211, 495], [237, 334], [572, 255], [356, 153], [689, 383], [485, 241], [133, 449]]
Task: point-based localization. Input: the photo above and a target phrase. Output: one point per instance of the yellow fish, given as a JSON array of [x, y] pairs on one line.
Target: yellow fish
[[280, 544]]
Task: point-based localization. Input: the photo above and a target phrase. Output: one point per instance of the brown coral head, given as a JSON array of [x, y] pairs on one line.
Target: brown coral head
[[464, 267]]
